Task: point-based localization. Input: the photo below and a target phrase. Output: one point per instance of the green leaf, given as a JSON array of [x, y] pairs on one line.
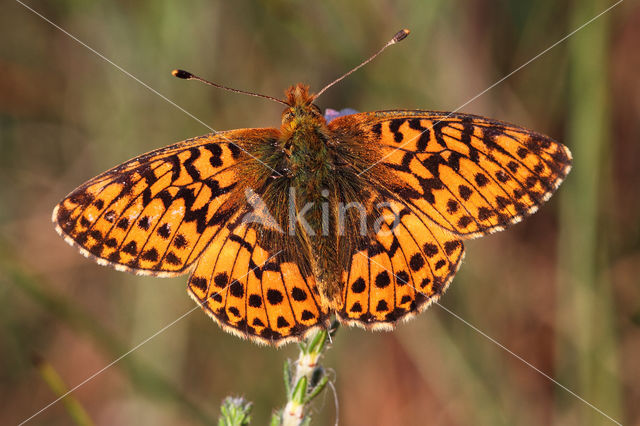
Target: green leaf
[[300, 391], [319, 388], [287, 377], [317, 343]]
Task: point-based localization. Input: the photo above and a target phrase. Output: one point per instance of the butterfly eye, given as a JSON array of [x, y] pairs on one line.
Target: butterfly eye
[[287, 114]]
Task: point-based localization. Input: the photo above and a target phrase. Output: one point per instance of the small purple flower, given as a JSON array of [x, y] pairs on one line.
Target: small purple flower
[[331, 114]]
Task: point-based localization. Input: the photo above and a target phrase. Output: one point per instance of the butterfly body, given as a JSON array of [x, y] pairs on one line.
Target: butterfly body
[[316, 175], [362, 217]]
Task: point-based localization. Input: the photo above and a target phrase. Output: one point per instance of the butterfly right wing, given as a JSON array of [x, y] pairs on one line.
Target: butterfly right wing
[[398, 270], [156, 213], [466, 173]]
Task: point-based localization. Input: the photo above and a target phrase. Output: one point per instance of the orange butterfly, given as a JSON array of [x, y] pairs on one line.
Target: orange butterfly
[[362, 217]]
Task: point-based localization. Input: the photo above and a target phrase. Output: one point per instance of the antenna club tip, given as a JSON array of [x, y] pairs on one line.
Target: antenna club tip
[[182, 74], [401, 35]]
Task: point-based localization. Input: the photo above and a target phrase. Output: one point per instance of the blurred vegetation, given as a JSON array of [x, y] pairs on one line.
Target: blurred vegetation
[[561, 290]]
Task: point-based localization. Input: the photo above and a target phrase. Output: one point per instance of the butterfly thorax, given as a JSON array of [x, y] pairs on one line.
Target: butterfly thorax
[[310, 163], [304, 140]]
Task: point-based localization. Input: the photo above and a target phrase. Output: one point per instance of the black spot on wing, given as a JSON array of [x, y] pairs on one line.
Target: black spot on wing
[[298, 294], [358, 286], [164, 231], [199, 282], [274, 297], [255, 301]]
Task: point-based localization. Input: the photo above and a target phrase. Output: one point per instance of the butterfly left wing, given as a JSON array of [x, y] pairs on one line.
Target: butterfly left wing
[[253, 286], [156, 213], [468, 174]]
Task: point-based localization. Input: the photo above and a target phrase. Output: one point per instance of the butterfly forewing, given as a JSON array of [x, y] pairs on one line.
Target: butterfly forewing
[[467, 174], [155, 214]]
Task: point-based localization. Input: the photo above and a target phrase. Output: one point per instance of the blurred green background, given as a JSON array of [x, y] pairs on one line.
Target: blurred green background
[[561, 289]]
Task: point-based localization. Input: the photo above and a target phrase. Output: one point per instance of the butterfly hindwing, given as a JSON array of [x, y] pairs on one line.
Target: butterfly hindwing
[[406, 265], [155, 214], [254, 291], [468, 174]]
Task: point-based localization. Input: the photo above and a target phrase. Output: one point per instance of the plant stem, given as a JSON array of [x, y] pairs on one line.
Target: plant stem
[[304, 379]]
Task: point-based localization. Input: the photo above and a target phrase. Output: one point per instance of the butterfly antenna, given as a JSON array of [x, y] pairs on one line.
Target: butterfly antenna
[[400, 35], [186, 75]]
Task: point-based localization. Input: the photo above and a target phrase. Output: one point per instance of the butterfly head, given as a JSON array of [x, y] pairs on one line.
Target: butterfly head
[[301, 109]]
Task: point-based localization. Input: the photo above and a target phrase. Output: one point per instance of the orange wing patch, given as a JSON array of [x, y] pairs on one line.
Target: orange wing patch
[[468, 174], [155, 214], [400, 271], [255, 292]]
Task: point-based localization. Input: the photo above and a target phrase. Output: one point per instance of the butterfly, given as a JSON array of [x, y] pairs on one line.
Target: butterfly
[[362, 217]]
